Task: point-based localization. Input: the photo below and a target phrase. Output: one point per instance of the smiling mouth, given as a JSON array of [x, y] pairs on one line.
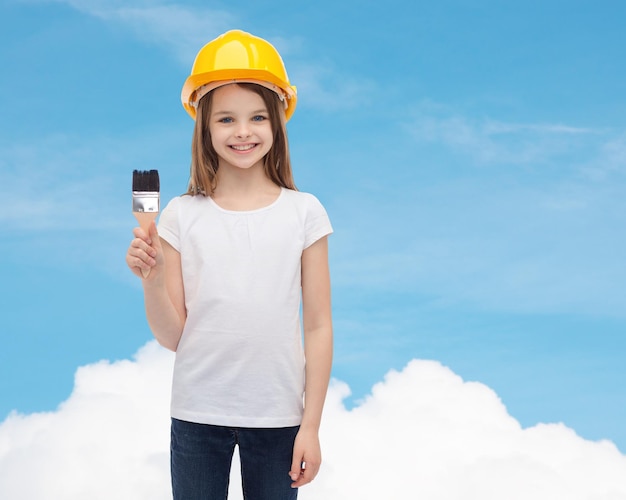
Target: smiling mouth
[[242, 147]]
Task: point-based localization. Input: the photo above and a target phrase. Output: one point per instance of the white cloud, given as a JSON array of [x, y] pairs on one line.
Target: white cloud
[[65, 195], [613, 160], [106, 441], [492, 245], [81, 183], [422, 433], [491, 141], [71, 196], [178, 28], [425, 433], [183, 30], [327, 88], [497, 215]]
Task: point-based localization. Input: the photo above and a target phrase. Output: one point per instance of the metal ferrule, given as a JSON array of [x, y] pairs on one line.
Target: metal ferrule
[[145, 201]]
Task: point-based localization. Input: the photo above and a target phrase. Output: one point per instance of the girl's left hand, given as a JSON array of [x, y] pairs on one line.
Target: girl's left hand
[[307, 458]]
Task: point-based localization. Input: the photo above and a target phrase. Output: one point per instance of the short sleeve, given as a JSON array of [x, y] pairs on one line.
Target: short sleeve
[[317, 223], [169, 223]]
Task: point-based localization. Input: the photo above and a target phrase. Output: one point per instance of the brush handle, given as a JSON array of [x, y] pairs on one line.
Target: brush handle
[[145, 219]]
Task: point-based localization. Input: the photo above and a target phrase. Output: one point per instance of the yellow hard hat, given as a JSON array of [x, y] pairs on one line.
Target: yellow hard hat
[[237, 56]]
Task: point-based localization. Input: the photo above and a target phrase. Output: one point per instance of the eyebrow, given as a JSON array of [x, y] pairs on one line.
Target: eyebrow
[[258, 111]]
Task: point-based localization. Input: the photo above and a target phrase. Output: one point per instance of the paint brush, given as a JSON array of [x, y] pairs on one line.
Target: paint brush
[[146, 188]]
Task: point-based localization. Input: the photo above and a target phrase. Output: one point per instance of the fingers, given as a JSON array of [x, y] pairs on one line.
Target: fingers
[[296, 468], [138, 257], [153, 236], [305, 476], [142, 252], [142, 235], [303, 472], [307, 458]]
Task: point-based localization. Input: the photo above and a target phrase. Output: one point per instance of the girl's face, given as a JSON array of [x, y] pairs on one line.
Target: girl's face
[[240, 128]]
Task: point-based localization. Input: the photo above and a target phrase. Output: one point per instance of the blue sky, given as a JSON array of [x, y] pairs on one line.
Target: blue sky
[[471, 155]]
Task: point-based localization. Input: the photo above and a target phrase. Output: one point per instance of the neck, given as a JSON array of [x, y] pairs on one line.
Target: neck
[[244, 189], [233, 179]]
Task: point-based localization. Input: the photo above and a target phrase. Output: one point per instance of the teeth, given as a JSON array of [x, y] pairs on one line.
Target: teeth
[[243, 147]]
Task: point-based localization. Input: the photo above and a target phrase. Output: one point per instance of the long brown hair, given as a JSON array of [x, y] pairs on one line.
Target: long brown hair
[[204, 159]]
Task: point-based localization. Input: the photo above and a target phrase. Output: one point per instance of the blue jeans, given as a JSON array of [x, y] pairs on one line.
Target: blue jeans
[[201, 456]]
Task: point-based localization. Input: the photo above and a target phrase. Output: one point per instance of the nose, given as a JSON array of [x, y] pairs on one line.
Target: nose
[[243, 130]]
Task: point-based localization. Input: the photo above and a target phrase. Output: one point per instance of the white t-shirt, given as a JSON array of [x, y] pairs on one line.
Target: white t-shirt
[[240, 360]]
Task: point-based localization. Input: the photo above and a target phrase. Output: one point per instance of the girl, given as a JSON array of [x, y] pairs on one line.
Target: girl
[[230, 265]]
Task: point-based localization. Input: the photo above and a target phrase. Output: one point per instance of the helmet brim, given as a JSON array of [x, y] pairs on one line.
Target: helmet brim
[[223, 77]]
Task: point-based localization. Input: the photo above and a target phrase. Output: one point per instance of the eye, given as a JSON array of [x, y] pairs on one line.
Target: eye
[[259, 118], [226, 119]]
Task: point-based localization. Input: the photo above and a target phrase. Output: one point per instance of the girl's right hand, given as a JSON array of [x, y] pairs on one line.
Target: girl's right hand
[[145, 252]]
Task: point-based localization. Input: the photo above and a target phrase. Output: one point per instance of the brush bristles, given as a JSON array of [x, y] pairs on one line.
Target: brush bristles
[[146, 181]]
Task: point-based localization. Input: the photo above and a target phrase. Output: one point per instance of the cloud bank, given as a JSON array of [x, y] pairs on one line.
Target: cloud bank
[[422, 433]]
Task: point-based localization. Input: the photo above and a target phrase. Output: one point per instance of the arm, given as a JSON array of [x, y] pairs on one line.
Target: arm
[[163, 288], [318, 347]]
